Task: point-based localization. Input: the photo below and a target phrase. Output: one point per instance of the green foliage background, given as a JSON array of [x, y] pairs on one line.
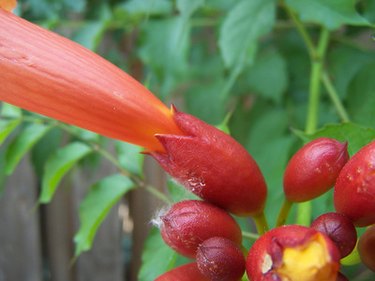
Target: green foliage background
[[246, 61]]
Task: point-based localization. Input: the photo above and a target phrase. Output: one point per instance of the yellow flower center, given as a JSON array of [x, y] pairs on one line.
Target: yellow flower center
[[308, 262]]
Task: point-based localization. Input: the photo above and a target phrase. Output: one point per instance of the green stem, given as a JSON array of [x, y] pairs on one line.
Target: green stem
[[261, 223], [334, 97], [317, 60], [302, 31], [304, 213], [136, 179], [284, 211], [314, 90], [249, 235]]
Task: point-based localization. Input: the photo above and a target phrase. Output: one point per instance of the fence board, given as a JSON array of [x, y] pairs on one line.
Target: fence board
[[20, 254]]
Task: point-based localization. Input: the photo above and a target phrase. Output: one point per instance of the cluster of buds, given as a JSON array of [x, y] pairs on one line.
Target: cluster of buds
[[207, 161], [209, 234]]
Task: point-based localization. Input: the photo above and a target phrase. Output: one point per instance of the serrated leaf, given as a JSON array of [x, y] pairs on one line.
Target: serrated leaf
[[242, 27], [157, 257], [7, 127], [330, 13], [356, 135], [101, 197], [22, 144], [130, 157], [58, 165]]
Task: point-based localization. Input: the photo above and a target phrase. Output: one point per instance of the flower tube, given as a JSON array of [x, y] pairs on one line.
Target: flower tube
[[45, 73]]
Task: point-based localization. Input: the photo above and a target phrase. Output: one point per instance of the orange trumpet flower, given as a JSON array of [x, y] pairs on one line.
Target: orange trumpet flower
[[45, 73]]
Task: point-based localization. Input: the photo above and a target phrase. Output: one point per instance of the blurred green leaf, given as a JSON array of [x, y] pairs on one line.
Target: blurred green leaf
[[187, 7], [7, 127], [369, 10], [344, 64], [22, 144], [44, 148], [164, 49], [157, 257], [268, 76], [130, 157], [90, 34], [204, 102], [356, 135], [330, 13], [361, 97], [101, 197], [177, 192], [147, 7], [10, 111], [58, 165], [241, 29], [271, 147]]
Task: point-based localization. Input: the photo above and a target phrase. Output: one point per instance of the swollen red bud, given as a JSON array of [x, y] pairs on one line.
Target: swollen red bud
[[220, 259], [187, 272], [213, 166], [314, 168], [354, 193], [340, 229], [293, 253], [366, 247], [188, 223]]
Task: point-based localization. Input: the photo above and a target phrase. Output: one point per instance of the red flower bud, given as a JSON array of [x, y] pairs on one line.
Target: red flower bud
[[314, 169], [293, 253], [354, 193], [187, 272], [366, 247], [213, 166], [220, 260], [340, 229], [188, 223]]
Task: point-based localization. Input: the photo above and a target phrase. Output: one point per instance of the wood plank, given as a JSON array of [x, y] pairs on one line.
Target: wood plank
[[20, 250]]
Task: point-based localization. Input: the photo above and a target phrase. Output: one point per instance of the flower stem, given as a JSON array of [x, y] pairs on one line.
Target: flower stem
[[249, 235], [317, 59], [302, 31], [113, 160], [261, 223], [284, 211], [334, 97]]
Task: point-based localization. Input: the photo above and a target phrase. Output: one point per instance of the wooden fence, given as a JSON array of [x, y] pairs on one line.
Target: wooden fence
[[36, 242]]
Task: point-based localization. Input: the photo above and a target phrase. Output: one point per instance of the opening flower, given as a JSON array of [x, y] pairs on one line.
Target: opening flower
[[293, 253]]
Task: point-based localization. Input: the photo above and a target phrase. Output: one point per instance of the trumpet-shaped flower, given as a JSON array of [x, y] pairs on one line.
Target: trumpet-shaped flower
[[45, 73]]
